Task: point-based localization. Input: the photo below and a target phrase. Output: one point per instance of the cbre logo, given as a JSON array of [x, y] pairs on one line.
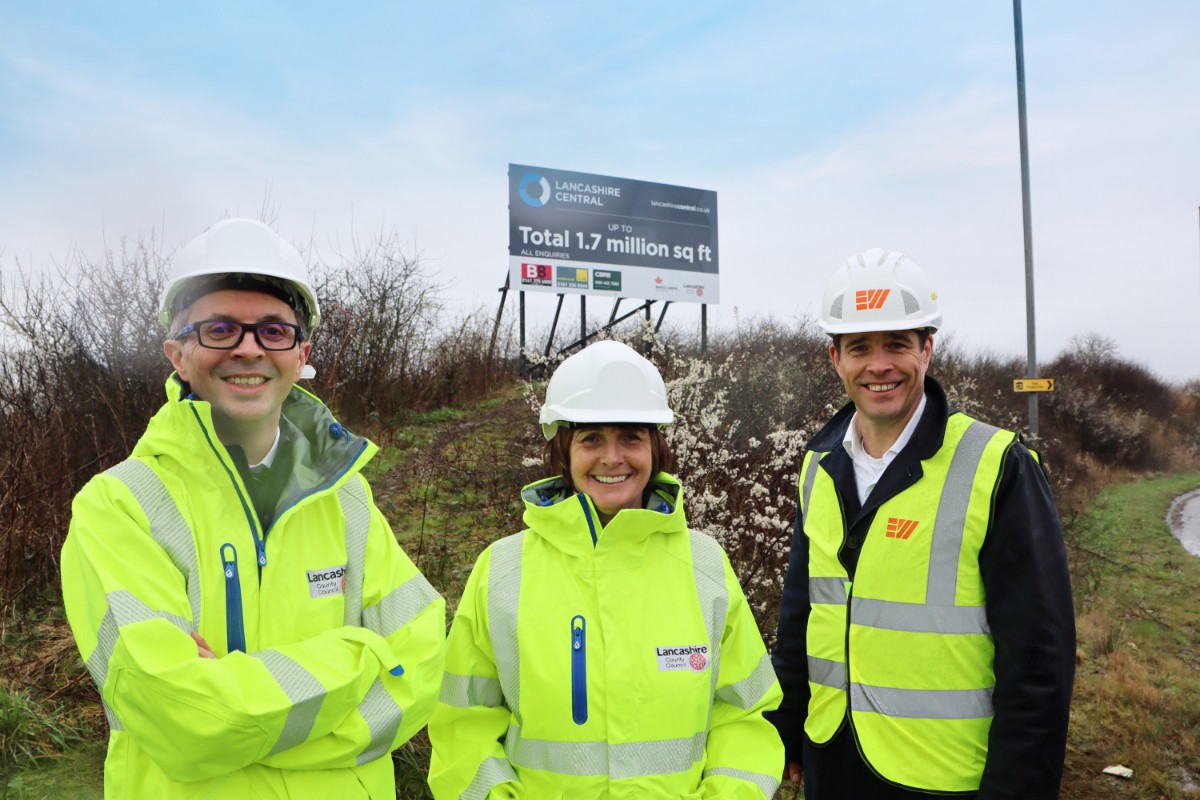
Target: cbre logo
[[870, 299], [900, 528]]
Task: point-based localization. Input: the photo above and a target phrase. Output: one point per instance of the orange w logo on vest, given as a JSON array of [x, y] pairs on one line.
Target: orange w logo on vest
[[868, 299], [900, 528]]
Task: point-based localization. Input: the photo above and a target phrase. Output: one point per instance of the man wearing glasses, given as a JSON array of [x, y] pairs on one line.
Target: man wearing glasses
[[252, 624]]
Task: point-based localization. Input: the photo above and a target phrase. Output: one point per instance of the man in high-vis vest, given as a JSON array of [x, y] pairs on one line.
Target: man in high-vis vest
[[926, 639], [251, 623]]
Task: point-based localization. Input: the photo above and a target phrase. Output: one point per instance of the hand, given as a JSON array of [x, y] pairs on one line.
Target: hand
[[793, 772], [205, 650]]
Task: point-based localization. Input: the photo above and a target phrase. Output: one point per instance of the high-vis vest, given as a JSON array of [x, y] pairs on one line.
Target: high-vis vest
[[615, 662], [907, 645], [330, 643]]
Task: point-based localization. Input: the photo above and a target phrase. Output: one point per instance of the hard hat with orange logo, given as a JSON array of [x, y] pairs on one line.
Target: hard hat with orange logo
[[879, 290]]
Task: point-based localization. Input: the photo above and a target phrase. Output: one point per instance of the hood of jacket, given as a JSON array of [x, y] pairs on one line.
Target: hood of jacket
[[569, 521], [323, 450]]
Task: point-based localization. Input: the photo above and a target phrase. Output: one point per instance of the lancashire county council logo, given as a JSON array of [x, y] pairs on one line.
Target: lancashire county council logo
[[543, 190], [688, 658]]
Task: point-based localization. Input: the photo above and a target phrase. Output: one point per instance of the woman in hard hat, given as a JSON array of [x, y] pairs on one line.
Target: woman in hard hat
[[606, 650]]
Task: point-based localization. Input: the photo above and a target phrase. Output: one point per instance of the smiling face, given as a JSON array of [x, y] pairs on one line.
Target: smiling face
[[884, 376], [246, 386], [612, 464]]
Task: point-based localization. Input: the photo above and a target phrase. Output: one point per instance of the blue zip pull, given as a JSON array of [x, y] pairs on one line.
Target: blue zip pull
[[235, 632], [579, 712]]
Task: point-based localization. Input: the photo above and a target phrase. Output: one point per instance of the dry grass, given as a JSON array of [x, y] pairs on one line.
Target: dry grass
[[1137, 688]]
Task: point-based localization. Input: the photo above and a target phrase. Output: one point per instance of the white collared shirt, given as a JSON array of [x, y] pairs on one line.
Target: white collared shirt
[[867, 468], [269, 458]]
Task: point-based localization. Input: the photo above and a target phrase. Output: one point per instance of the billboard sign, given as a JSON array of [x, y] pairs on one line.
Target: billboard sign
[[579, 233]]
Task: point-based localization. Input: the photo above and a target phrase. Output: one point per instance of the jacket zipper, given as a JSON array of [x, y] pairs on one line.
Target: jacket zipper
[[234, 625], [579, 712], [587, 514], [260, 548], [234, 631]]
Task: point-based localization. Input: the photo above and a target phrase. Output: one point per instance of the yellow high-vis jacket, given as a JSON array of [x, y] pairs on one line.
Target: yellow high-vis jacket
[[330, 643], [620, 661]]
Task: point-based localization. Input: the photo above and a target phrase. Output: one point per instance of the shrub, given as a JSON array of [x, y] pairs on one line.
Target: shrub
[[79, 376]]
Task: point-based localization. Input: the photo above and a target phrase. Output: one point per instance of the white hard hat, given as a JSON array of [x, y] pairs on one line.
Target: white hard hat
[[879, 290], [607, 382], [237, 253]]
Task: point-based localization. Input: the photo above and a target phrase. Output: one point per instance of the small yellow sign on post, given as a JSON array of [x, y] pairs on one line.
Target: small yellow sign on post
[[1033, 385]]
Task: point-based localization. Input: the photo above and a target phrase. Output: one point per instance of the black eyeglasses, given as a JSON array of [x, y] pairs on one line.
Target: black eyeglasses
[[226, 334]]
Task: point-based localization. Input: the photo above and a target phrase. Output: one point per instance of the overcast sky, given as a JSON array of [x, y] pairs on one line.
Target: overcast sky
[[824, 128]]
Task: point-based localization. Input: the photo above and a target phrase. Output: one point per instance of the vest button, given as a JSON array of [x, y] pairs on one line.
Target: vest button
[[852, 542]]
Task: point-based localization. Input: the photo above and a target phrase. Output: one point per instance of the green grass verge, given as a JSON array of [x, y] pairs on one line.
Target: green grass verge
[[1137, 687], [72, 775]]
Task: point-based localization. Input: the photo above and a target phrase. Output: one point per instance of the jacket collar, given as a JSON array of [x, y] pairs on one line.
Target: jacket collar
[[926, 439], [905, 469], [322, 450], [569, 520]]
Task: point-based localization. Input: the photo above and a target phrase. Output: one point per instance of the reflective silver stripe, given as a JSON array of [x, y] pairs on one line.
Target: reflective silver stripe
[[400, 607], [383, 716], [503, 598], [303, 690], [97, 663], [922, 703], [168, 528], [827, 590], [657, 757], [113, 723], [123, 609], [492, 772], [950, 527], [824, 672], [580, 759], [465, 691], [810, 477], [357, 512], [127, 609], [917, 617], [767, 784], [617, 761], [708, 573], [747, 693], [106, 641]]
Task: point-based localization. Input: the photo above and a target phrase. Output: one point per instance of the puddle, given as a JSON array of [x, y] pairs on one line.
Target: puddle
[[1184, 519]]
